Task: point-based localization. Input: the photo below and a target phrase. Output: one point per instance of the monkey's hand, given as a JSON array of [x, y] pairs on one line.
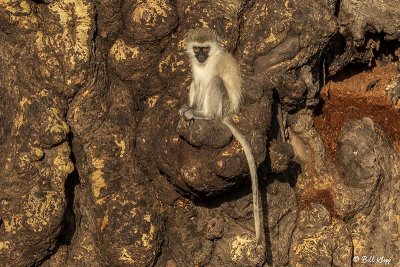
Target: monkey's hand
[[186, 113]]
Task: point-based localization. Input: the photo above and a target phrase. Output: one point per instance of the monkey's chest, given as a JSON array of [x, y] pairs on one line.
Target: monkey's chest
[[203, 78]]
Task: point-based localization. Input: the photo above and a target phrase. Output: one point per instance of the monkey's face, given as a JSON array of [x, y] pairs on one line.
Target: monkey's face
[[201, 53]]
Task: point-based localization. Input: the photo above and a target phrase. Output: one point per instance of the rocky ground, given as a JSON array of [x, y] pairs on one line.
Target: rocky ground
[[97, 168]]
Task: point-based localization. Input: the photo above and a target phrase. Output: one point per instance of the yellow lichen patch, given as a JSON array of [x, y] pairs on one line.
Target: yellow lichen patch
[[204, 24], [24, 102], [19, 120], [63, 163], [70, 45], [171, 103], [25, 6], [57, 124], [239, 247], [58, 129], [178, 65], [12, 7], [230, 7], [98, 163], [78, 13], [37, 152], [224, 42], [133, 211], [235, 118], [308, 244], [233, 149], [44, 93], [126, 257], [258, 17], [246, 50], [97, 178], [181, 44], [56, 113], [165, 62], [98, 182], [190, 172], [61, 166], [183, 204], [4, 245], [121, 51], [152, 101], [88, 247], [21, 14], [14, 224], [122, 145], [39, 42], [271, 38], [358, 234], [147, 217], [148, 10], [86, 93], [148, 237], [101, 201], [40, 207], [24, 157], [171, 64]]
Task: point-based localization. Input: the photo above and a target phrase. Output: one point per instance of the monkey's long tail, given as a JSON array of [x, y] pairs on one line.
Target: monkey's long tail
[[257, 209]]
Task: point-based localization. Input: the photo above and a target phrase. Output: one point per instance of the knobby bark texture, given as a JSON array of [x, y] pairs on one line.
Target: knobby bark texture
[[98, 169]]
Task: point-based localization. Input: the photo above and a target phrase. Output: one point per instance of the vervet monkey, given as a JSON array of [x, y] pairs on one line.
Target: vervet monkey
[[216, 93]]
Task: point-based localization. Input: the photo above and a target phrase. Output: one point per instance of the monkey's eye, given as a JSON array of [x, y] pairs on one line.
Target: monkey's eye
[[206, 49], [196, 48]]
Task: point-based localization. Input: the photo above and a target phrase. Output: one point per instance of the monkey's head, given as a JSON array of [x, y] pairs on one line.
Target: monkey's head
[[201, 43]]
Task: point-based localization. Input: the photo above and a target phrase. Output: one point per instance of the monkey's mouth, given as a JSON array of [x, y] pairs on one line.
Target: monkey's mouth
[[201, 58]]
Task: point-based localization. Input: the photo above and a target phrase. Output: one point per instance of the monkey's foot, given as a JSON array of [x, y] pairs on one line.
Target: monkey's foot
[[186, 113], [183, 109]]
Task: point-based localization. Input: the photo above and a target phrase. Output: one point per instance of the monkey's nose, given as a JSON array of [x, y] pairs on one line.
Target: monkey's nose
[[201, 59]]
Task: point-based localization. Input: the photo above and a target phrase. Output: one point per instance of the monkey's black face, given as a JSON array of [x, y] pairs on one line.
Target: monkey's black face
[[201, 53]]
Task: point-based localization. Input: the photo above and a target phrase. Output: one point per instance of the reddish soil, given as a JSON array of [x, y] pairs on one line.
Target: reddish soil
[[354, 95], [320, 196]]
